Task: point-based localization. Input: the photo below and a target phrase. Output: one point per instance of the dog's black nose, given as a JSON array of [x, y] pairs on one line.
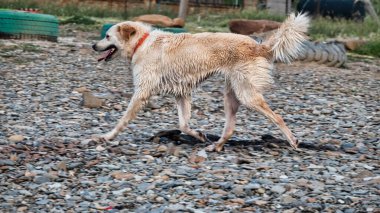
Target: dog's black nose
[[94, 47]]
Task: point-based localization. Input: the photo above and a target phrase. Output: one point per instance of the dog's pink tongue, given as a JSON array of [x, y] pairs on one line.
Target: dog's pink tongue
[[104, 55]]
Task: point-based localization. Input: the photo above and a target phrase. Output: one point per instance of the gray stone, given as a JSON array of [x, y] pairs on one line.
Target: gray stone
[[252, 186], [238, 191], [103, 179], [279, 189], [42, 202], [7, 162], [74, 165], [41, 179]]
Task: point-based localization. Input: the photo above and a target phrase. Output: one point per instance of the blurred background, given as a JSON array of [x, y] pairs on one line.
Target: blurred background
[[332, 19]]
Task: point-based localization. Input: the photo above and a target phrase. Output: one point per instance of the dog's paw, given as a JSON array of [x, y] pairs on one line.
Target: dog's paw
[[103, 138], [215, 147], [210, 148], [203, 137], [294, 143]]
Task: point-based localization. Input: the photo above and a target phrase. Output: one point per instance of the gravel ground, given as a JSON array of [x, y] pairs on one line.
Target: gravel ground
[[49, 164]]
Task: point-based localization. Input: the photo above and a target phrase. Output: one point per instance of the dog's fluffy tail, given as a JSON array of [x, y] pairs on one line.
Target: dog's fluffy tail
[[286, 42]]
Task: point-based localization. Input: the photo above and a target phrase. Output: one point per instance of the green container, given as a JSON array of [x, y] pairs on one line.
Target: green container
[[167, 29], [105, 28], [19, 24], [172, 29]]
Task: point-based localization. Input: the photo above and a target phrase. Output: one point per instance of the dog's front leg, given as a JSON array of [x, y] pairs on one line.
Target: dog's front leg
[[184, 114], [138, 100]]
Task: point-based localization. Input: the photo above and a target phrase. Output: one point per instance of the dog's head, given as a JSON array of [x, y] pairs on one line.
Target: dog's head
[[120, 39]]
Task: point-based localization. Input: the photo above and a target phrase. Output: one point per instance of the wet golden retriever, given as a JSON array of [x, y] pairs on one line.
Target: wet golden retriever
[[175, 64]]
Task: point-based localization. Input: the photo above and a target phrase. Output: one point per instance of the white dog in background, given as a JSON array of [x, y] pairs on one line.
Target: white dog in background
[[163, 62]]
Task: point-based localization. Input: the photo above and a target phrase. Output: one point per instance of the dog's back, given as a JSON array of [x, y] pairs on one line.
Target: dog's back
[[227, 49], [215, 49]]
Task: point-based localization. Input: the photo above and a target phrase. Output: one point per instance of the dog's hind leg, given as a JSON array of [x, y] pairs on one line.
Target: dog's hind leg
[[231, 106], [184, 114], [138, 100], [251, 98], [261, 106]]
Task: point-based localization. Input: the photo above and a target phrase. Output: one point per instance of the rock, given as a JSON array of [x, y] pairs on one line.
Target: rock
[[118, 107], [142, 187], [160, 199], [85, 142], [25, 192], [316, 185], [55, 185], [162, 148], [221, 192], [339, 178], [22, 209], [311, 200], [121, 191], [278, 189], [100, 148], [103, 179], [108, 166], [119, 175], [260, 202], [238, 191], [238, 201], [42, 202], [198, 157], [7, 162], [312, 166], [160, 20], [89, 196], [302, 182], [249, 27], [16, 138], [331, 169], [288, 199], [363, 174], [74, 165], [148, 158], [252, 186], [347, 145], [91, 101], [352, 43], [261, 190], [174, 208], [81, 90], [350, 210], [29, 174], [41, 179]]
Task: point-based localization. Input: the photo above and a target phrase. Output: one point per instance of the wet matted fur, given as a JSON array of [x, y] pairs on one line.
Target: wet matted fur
[[163, 62]]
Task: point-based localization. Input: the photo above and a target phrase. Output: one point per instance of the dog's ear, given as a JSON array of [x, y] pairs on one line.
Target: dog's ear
[[126, 31]]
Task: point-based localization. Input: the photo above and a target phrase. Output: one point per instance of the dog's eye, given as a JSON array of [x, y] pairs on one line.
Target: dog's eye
[[107, 37]]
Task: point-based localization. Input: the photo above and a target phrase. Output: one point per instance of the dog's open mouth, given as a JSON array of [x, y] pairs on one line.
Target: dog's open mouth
[[107, 53]]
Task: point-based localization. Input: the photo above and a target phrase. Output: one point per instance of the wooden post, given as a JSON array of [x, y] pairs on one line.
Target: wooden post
[[369, 8], [277, 6], [125, 9], [288, 7], [318, 8], [183, 5]]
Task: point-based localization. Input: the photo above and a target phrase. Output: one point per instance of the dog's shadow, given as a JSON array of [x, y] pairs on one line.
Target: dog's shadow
[[267, 141]]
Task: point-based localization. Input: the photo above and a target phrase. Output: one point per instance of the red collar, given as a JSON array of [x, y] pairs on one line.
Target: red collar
[[141, 41]]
